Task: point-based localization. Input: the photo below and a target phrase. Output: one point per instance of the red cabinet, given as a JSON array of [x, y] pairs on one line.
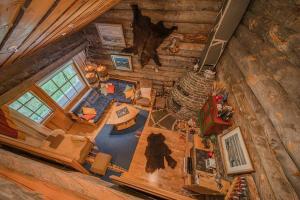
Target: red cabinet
[[208, 119]]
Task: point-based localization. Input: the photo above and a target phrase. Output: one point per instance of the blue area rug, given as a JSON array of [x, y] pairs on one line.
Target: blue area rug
[[121, 144]]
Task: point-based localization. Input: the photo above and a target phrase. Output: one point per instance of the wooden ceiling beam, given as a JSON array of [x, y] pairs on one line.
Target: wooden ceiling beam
[[89, 17], [67, 22], [57, 12], [9, 11], [67, 14], [30, 19]]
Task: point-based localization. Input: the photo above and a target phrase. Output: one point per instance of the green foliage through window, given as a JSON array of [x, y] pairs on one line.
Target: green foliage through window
[[32, 107], [64, 85]]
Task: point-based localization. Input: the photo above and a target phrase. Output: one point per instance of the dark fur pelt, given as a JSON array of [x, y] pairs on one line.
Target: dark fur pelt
[[156, 152], [147, 37]]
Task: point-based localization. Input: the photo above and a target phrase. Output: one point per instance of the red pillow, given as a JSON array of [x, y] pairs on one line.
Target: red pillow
[[88, 117], [110, 89]]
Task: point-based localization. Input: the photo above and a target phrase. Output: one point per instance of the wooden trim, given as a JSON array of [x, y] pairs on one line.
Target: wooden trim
[[42, 153], [48, 190], [133, 183]]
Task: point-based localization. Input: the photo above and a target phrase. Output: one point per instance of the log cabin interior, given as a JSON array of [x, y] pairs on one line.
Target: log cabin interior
[[150, 99]]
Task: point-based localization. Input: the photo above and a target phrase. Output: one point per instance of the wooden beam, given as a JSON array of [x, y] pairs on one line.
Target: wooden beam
[[48, 190], [41, 153], [201, 17], [141, 186], [88, 16], [89, 186], [33, 14], [69, 23], [8, 13], [59, 22], [177, 5], [42, 28]]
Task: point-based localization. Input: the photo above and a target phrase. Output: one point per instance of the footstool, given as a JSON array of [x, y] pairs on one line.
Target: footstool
[[101, 163]]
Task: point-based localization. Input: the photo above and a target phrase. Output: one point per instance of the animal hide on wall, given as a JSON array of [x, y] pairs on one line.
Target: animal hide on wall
[[147, 37]]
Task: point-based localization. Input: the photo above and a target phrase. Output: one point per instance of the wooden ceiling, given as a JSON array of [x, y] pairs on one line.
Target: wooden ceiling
[[27, 25]]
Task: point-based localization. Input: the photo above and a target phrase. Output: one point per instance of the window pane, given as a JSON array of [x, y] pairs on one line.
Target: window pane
[[26, 97], [25, 111], [69, 90], [64, 85], [43, 111], [69, 72], [49, 87], [59, 79], [34, 109], [15, 105], [60, 98], [36, 118], [33, 104], [76, 82]]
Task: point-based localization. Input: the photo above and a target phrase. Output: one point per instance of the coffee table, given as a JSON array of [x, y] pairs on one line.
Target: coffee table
[[122, 116]]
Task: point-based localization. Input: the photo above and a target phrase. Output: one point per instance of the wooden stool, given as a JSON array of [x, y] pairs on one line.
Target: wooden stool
[[101, 163]]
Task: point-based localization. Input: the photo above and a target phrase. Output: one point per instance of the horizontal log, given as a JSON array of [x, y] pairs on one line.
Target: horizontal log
[[260, 178], [201, 17], [284, 12], [182, 37], [265, 140], [274, 33], [283, 113], [172, 61], [185, 27], [89, 186], [178, 5], [277, 63], [140, 75]]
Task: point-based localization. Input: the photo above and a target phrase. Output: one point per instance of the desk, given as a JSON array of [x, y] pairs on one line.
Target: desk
[[207, 183], [122, 116]]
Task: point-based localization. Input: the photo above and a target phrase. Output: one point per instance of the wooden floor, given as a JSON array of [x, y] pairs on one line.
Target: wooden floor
[[168, 178]]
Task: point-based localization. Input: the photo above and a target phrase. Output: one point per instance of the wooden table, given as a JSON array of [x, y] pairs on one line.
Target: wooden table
[[122, 116]]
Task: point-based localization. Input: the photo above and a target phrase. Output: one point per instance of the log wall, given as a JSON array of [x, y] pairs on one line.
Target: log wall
[[194, 19], [260, 69]]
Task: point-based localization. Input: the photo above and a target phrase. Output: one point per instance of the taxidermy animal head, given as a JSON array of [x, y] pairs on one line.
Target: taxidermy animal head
[[147, 37]]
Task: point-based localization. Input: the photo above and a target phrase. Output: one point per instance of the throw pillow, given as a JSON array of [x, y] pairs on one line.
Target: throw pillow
[[146, 93], [88, 117], [127, 88], [89, 111], [129, 94], [103, 91], [110, 89]]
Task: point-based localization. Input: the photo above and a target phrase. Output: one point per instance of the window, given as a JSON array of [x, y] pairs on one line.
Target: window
[[30, 106], [63, 85]]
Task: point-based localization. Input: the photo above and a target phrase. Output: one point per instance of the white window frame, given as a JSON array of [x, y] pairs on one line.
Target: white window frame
[[48, 77], [33, 112]]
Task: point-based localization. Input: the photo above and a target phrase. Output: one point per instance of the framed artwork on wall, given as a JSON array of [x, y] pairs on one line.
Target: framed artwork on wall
[[234, 152], [122, 62], [111, 34]]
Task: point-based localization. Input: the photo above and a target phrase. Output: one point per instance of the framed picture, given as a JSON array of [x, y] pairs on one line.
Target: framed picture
[[111, 34], [234, 152], [122, 62]]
